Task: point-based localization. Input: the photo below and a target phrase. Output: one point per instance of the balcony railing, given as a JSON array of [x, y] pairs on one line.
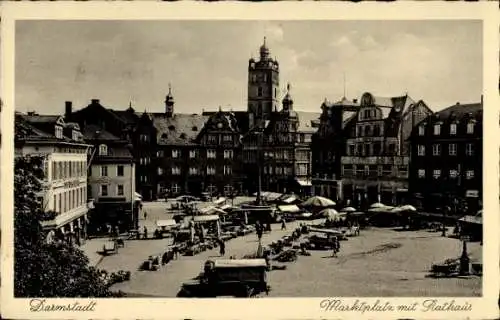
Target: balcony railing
[[394, 160]]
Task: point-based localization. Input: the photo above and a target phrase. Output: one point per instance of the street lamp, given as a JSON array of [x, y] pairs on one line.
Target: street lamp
[[464, 258]]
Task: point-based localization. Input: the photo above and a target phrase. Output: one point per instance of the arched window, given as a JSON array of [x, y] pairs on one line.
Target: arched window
[[103, 150]]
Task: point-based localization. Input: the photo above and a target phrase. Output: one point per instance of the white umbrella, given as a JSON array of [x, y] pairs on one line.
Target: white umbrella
[[408, 208], [348, 209], [382, 209], [331, 213], [378, 205], [318, 201]]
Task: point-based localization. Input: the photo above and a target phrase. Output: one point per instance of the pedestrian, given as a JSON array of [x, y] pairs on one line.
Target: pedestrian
[[283, 224], [145, 232], [175, 250], [334, 246], [222, 247], [145, 215]]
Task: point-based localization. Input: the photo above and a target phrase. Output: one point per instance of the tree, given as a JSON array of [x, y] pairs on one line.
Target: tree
[[44, 269]]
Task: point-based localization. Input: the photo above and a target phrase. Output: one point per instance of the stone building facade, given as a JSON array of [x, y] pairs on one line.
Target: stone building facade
[[447, 159], [375, 164]]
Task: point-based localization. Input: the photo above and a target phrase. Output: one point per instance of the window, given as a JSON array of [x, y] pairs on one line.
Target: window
[[59, 132], [403, 171], [359, 148], [376, 130], [228, 189], [453, 173], [259, 91], [119, 190], [212, 138], [469, 174], [160, 171], [160, 153], [421, 150], [119, 171], [175, 153], [211, 170], [421, 173], [211, 154], [437, 129], [386, 170], [392, 148], [302, 138], [176, 171], [192, 154], [144, 137], [104, 171], [175, 188], [104, 190], [347, 169], [421, 130], [193, 171], [469, 149], [103, 150], [453, 128], [436, 149], [377, 148], [352, 150], [228, 154], [228, 138], [227, 170], [436, 173], [470, 127], [452, 149]]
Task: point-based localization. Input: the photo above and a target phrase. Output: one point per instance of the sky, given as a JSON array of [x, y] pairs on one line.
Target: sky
[[133, 62]]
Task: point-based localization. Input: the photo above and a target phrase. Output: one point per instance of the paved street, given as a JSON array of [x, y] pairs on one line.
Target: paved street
[[380, 262]]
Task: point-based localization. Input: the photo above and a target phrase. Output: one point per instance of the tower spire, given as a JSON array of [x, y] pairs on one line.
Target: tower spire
[[169, 88], [344, 86]]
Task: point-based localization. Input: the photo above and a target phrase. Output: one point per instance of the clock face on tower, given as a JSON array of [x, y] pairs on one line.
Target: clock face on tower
[[219, 125]]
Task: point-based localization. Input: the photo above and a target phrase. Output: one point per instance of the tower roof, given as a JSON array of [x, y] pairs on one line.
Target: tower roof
[[264, 51], [170, 97], [288, 97]]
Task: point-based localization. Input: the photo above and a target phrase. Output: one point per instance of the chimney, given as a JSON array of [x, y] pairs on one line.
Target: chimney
[[95, 101], [68, 111]]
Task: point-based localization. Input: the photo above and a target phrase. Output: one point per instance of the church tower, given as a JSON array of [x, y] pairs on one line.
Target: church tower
[[263, 86], [169, 103]]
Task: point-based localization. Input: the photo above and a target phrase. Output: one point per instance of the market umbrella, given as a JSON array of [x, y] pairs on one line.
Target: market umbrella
[[330, 213], [407, 207], [318, 201], [382, 209], [348, 209], [378, 205]]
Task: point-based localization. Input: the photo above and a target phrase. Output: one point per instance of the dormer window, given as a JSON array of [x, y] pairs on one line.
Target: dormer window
[[470, 127], [75, 135], [437, 129], [421, 130], [103, 150], [59, 132], [453, 128]]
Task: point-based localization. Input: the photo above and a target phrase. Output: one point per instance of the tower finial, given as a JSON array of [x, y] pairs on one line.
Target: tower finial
[[169, 88], [130, 104], [288, 86], [344, 86], [264, 40]]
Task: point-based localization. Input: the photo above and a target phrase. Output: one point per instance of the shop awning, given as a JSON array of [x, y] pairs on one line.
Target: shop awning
[[205, 218], [472, 219], [289, 208], [304, 183], [219, 201], [271, 196], [226, 206], [165, 223], [137, 196], [289, 199]]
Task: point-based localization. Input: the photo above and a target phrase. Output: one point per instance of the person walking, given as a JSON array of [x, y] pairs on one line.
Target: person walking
[[145, 232], [283, 224], [145, 215], [222, 247], [334, 247]]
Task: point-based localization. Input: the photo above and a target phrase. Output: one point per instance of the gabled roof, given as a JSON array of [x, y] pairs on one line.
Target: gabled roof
[[94, 132], [180, 129], [461, 110]]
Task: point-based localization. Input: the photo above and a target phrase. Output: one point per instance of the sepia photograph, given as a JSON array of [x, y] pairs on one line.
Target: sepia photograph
[[261, 158]]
